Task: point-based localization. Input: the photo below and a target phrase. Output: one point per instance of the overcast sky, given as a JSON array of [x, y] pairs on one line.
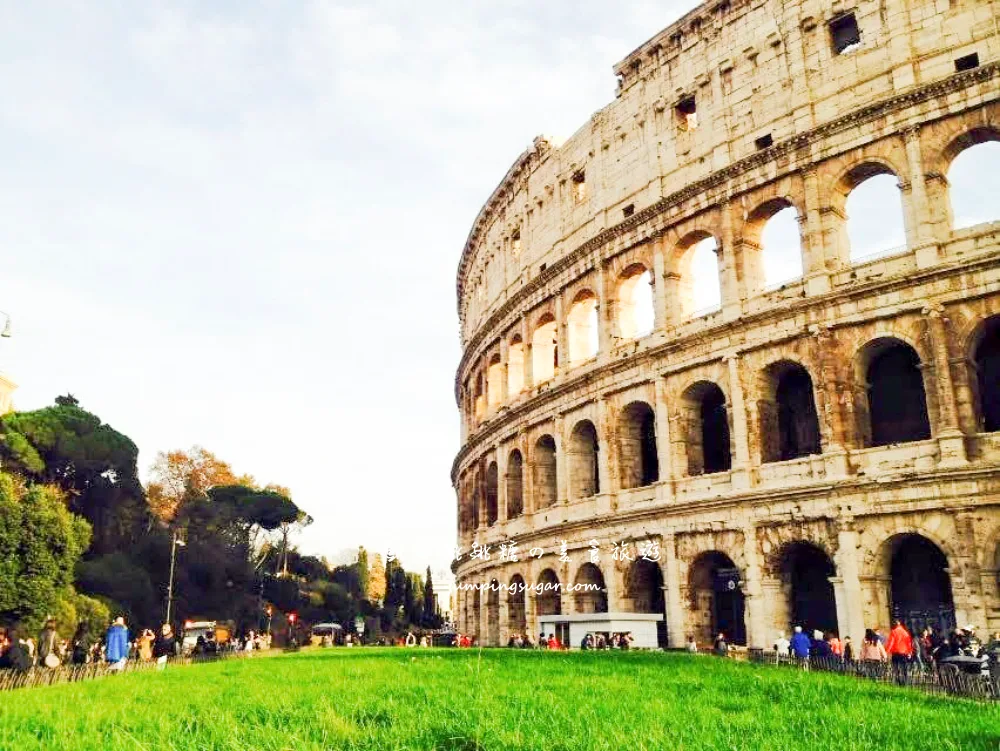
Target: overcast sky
[[237, 224]]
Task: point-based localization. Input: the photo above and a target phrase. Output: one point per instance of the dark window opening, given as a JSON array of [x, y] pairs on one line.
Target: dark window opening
[[987, 364], [715, 432], [629, 210], [844, 33], [764, 142], [579, 185], [896, 401], [806, 569], [798, 424], [492, 506], [967, 62], [920, 592], [542, 268], [639, 461], [687, 113]]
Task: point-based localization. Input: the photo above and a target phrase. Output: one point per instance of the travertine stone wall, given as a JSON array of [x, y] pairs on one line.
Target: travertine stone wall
[[633, 190]]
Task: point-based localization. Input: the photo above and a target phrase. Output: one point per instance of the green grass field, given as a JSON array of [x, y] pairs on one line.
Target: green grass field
[[464, 700]]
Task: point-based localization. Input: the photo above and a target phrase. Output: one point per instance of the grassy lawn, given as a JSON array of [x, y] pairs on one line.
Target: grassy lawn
[[497, 699]]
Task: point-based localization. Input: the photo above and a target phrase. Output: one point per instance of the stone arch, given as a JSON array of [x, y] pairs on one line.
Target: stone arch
[[706, 419], [970, 202], [515, 484], [545, 349], [480, 397], [517, 611], [805, 571], [697, 274], [916, 573], [494, 382], [644, 592], [862, 196], [789, 423], [544, 485], [548, 598], [716, 598], [894, 409], [582, 328], [772, 235], [984, 376], [492, 494], [637, 460], [634, 302], [591, 595], [582, 458]]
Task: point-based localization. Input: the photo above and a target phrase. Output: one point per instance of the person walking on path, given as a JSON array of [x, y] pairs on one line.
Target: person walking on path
[[48, 652], [165, 646], [116, 644], [800, 644], [899, 647]]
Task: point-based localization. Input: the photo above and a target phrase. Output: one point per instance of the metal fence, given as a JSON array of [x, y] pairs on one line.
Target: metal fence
[[944, 679], [42, 676]]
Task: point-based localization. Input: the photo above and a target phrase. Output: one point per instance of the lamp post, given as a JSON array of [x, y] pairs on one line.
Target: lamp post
[[170, 585]]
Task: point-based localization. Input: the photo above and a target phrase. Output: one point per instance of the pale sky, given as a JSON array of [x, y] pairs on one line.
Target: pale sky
[[238, 225]]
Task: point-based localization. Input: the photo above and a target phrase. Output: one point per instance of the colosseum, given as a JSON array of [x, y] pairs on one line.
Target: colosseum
[[706, 434]]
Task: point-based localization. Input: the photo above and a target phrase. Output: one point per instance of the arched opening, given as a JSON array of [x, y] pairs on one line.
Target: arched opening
[[805, 581], [986, 363], [644, 593], [635, 302], [480, 398], [897, 405], [545, 472], [492, 503], [493, 614], [708, 447], [515, 367], [544, 350], [789, 425], [920, 584], [584, 480], [494, 383], [639, 463], [873, 209], [699, 288], [591, 595], [548, 600], [477, 493], [717, 601], [515, 485], [774, 226], [517, 619], [582, 329], [974, 179]]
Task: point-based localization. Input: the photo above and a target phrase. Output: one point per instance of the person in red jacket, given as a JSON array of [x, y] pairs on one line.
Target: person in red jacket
[[899, 646]]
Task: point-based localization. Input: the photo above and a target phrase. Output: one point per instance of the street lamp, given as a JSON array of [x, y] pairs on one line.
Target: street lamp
[[173, 558]]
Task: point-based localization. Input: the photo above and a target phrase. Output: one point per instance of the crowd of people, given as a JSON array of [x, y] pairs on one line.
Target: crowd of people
[[115, 646]]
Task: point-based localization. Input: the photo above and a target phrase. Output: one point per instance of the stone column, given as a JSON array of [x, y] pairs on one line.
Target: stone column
[[741, 439], [966, 580], [604, 308], [561, 469], [918, 211], [950, 437], [732, 290], [663, 446], [756, 607], [814, 258], [827, 388], [611, 583], [562, 344], [847, 586], [504, 617], [504, 361], [528, 354], [501, 456], [604, 448], [672, 599], [660, 319]]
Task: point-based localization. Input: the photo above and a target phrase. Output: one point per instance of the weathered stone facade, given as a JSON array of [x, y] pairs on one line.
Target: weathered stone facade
[[813, 446]]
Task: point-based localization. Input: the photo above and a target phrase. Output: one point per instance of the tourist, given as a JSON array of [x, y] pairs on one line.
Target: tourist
[[781, 645], [899, 647], [165, 646], [836, 647], [872, 650], [626, 640], [48, 648], [82, 645], [411, 640], [15, 654], [848, 650], [721, 646], [585, 644], [692, 645], [819, 648], [602, 641], [116, 644], [553, 643], [146, 645], [800, 644]]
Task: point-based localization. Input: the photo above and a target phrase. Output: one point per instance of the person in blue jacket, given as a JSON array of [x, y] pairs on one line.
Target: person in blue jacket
[[800, 644], [116, 643]]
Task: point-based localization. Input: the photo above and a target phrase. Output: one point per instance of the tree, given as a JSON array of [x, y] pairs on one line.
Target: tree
[[430, 606], [40, 543], [180, 477], [91, 462], [376, 580], [363, 574]]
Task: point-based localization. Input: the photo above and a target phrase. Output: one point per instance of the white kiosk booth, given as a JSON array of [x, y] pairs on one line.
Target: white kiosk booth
[[570, 629]]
